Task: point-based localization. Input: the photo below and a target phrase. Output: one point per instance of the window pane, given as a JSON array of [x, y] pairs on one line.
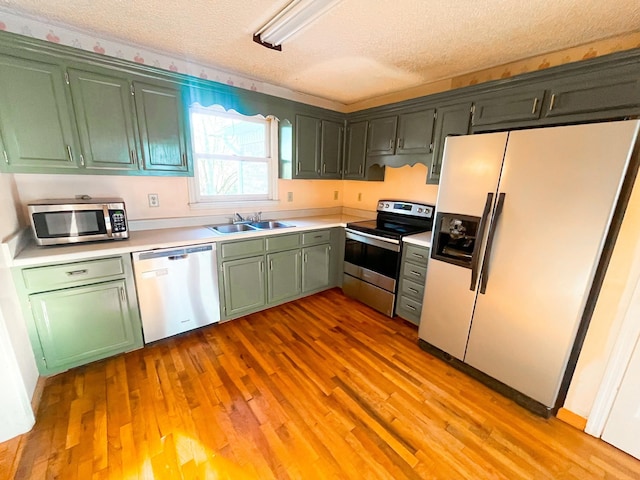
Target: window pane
[[223, 135], [232, 177]]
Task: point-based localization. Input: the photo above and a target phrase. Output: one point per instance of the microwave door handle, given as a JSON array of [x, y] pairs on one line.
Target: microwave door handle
[[107, 220], [475, 260], [487, 253]]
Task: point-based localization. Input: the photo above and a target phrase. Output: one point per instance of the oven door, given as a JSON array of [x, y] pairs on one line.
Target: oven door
[[371, 268]]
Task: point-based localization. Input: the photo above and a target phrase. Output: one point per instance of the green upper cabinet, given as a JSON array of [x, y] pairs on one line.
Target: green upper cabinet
[[307, 146], [36, 123], [331, 148], [356, 150], [104, 110], [594, 97], [406, 134], [381, 139], [319, 147], [506, 107], [450, 120], [415, 132], [162, 129]]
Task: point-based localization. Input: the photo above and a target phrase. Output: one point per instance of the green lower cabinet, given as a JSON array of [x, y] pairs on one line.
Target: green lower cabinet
[[244, 285], [316, 263], [82, 324], [79, 312], [283, 276]]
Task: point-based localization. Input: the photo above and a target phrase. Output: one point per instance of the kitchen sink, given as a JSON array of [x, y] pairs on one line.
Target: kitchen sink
[[267, 224], [248, 227], [233, 228]]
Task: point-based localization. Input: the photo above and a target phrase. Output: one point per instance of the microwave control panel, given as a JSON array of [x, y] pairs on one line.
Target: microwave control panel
[[118, 221]]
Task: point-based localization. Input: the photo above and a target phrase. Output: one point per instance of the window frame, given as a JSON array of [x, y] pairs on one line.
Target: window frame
[[196, 200]]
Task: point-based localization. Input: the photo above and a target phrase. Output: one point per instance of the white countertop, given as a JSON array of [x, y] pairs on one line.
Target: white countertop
[[422, 239], [34, 254]]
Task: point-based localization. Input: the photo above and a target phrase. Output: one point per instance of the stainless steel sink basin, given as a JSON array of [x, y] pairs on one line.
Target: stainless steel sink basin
[[233, 228], [268, 224]]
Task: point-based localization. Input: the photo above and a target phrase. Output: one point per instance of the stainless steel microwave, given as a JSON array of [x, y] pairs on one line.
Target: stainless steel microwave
[[76, 220]]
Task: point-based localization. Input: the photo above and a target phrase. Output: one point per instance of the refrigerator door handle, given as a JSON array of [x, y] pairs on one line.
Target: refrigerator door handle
[[487, 253], [479, 236]]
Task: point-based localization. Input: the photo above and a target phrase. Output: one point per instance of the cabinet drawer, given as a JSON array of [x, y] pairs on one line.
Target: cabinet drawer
[[318, 236], [415, 273], [60, 276], [415, 254], [409, 309], [283, 242], [243, 248], [411, 289]]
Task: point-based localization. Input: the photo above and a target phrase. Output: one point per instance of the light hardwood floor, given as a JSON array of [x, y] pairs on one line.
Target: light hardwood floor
[[323, 387]]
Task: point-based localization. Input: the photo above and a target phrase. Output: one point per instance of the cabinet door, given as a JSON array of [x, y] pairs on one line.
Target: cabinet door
[[162, 128], [356, 150], [315, 267], [244, 285], [331, 149], [82, 324], [452, 120], [104, 110], [591, 95], [36, 120], [283, 276], [508, 108], [415, 132], [307, 147], [382, 136]]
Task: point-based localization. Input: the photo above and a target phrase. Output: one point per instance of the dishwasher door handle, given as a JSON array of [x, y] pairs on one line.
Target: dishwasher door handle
[[178, 257]]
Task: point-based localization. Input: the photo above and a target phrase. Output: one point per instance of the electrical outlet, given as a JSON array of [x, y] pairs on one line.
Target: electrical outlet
[[335, 194], [289, 196], [359, 197], [154, 200]]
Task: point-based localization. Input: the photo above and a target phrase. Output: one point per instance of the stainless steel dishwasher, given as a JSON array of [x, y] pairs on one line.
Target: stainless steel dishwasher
[[177, 289]]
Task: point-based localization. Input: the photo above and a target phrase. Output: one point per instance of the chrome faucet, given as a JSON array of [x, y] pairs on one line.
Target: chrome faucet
[[257, 217], [237, 218]]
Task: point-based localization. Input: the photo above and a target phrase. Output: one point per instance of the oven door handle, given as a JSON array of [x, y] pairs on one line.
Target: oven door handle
[[387, 243]]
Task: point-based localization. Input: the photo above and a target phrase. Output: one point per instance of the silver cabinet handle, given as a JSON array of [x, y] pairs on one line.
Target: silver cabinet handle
[[122, 296], [261, 266], [391, 142], [535, 105], [359, 167], [417, 255], [6, 158], [411, 307], [184, 158], [324, 168], [270, 264], [134, 157], [431, 147], [399, 143], [417, 274], [82, 160], [69, 153], [553, 102], [411, 289], [74, 273], [298, 166]]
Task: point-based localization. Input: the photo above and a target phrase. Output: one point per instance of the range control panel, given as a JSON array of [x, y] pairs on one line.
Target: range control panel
[[406, 208]]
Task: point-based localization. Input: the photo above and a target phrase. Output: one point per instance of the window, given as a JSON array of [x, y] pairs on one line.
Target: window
[[235, 156]]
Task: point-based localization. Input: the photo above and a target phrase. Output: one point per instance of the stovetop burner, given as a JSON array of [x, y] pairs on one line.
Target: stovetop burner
[[397, 218]]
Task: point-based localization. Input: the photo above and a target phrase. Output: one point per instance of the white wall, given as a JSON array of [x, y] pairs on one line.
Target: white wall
[[607, 318], [18, 371]]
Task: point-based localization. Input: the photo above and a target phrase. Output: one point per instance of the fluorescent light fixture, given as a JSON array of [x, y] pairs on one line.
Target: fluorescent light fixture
[[290, 20]]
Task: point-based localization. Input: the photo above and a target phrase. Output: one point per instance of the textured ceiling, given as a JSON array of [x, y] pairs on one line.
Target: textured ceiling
[[360, 49]]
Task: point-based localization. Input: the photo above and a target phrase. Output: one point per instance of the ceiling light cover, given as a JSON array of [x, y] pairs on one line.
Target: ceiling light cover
[[290, 20]]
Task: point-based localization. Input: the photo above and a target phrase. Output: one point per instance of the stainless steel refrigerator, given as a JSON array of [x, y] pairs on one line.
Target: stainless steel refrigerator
[[522, 219]]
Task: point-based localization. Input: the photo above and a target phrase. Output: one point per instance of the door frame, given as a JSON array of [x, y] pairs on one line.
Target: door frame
[[620, 356]]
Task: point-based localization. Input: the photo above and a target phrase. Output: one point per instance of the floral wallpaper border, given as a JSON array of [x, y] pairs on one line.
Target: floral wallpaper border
[[56, 33]]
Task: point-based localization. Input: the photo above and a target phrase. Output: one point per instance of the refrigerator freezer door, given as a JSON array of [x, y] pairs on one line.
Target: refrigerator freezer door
[[561, 186], [471, 169]]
